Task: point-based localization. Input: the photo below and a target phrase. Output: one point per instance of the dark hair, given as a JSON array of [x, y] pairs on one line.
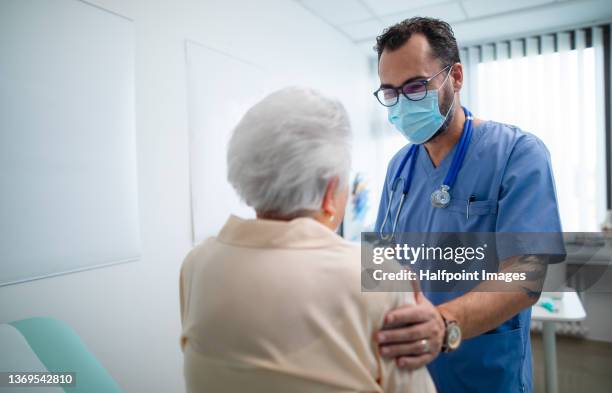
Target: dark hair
[[439, 34]]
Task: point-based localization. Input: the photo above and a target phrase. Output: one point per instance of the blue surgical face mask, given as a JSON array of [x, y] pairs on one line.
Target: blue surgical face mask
[[419, 120]]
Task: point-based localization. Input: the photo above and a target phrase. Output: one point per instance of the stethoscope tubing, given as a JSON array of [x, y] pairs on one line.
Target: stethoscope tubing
[[449, 180]]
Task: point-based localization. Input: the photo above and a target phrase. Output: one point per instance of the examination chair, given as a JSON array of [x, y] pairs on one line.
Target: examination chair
[[49, 345]]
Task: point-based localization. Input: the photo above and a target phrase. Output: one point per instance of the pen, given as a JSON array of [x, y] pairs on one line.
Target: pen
[[467, 210]]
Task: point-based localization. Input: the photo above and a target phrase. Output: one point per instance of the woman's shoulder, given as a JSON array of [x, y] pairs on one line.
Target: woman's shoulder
[[196, 253], [358, 281]]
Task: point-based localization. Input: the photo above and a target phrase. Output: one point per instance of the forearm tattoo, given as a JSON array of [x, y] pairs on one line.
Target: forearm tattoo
[[534, 267]]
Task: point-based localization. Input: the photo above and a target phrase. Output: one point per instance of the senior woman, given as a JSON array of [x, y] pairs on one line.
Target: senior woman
[[273, 304]]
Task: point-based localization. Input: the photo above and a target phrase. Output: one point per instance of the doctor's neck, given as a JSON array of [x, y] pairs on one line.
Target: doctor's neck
[[438, 147]]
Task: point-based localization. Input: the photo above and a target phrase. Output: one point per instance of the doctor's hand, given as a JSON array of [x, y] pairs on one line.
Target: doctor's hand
[[413, 334]]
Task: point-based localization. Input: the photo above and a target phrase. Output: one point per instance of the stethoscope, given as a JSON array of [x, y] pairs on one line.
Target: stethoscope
[[441, 197]]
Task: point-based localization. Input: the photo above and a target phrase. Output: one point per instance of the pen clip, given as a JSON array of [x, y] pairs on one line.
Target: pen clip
[[467, 209]]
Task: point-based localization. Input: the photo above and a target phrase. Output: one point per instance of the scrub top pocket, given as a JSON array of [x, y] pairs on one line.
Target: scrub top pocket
[[476, 208], [480, 217]]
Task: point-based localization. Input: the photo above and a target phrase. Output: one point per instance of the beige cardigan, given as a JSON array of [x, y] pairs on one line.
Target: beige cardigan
[[271, 306]]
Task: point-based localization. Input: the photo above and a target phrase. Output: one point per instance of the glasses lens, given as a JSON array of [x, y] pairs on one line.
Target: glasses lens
[[387, 97], [415, 90]]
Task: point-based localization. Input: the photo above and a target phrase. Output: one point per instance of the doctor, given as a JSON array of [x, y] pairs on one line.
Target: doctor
[[460, 174]]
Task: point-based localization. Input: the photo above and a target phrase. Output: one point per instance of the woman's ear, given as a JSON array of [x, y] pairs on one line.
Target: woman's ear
[[329, 204]]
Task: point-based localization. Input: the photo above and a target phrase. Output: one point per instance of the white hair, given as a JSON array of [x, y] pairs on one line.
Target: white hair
[[287, 148]]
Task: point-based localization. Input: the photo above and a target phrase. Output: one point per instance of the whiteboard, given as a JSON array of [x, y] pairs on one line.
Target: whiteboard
[[68, 183], [220, 88]]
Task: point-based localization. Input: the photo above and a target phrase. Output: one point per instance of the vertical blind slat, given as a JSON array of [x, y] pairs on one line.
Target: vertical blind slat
[[463, 55], [517, 49], [472, 76], [580, 39], [474, 55], [598, 47], [547, 44], [488, 52], [532, 44], [501, 51], [609, 130], [563, 41]]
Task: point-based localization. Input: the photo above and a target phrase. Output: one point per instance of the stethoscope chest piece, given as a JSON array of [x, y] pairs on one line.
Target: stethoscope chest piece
[[441, 197]]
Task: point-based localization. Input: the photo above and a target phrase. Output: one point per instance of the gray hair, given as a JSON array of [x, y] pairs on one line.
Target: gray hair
[[287, 148]]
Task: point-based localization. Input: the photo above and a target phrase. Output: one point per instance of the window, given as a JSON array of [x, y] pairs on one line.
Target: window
[[558, 96]]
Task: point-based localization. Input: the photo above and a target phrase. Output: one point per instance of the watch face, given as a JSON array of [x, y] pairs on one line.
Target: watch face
[[453, 337]]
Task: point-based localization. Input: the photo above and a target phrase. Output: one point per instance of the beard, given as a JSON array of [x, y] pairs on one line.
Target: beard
[[445, 106]]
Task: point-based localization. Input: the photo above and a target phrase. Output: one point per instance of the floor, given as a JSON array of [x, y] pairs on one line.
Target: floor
[[584, 366]]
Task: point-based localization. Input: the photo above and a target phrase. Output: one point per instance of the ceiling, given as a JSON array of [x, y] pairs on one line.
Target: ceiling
[[472, 20]]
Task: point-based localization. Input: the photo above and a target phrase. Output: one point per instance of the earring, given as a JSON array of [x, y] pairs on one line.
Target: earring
[[331, 218]]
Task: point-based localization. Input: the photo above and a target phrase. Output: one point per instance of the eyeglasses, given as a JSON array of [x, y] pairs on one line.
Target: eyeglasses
[[412, 90]]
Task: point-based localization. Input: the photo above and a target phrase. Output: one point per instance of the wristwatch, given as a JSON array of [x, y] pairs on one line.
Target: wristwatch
[[452, 336]]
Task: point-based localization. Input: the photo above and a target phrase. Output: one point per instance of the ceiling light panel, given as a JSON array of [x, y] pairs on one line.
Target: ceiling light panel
[[448, 12], [386, 7], [338, 12]]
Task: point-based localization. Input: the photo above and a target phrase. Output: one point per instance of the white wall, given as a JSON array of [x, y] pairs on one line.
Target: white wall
[[128, 314]]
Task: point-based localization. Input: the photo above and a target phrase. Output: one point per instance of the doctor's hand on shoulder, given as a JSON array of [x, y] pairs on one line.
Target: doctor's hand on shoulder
[[413, 334]]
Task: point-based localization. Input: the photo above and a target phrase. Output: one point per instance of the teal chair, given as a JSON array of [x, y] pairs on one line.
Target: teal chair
[[46, 344]]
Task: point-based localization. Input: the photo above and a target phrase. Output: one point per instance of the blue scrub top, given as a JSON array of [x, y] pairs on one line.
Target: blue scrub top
[[508, 172]]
